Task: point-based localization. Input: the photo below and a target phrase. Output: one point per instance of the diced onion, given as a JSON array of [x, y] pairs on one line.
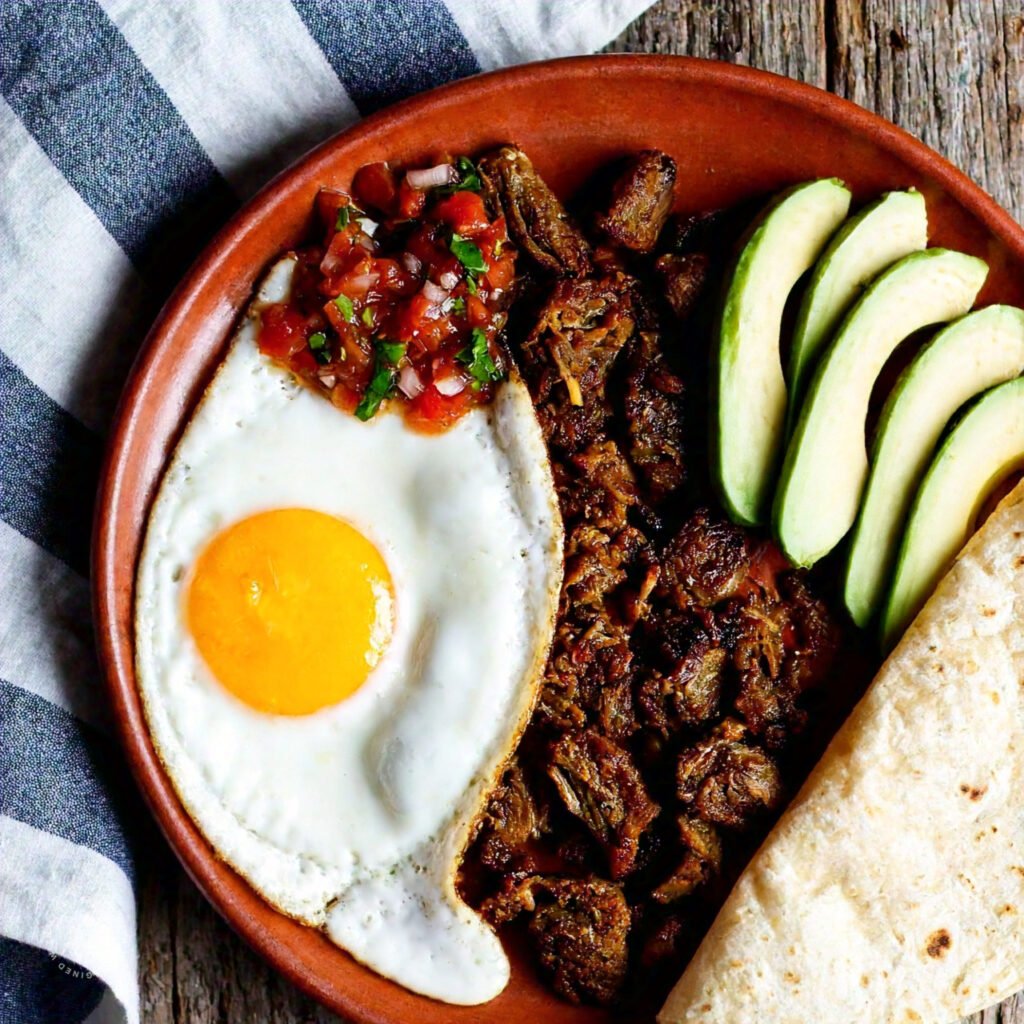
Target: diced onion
[[368, 224], [449, 279], [431, 177], [328, 379], [363, 282], [449, 386], [409, 382], [433, 293], [364, 240], [412, 263]]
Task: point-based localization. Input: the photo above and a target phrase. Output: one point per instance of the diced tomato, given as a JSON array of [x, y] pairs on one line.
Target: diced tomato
[[394, 277], [789, 637], [432, 412], [344, 398], [501, 273], [476, 312], [338, 253], [410, 200], [328, 202], [303, 362], [283, 331], [465, 212], [374, 184]]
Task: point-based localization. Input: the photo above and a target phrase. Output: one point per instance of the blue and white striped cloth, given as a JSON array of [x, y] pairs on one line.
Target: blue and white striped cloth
[[129, 131]]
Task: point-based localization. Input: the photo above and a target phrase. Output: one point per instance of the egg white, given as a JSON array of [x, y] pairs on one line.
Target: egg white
[[353, 818]]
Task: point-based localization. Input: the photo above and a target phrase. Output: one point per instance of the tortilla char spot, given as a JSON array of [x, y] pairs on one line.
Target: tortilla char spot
[[864, 981], [1007, 908], [706, 1008], [1019, 560], [938, 943], [974, 792], [913, 1015], [988, 612], [1017, 868], [792, 978], [995, 698], [939, 667]]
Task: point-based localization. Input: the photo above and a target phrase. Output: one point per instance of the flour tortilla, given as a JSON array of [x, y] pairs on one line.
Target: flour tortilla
[[892, 890]]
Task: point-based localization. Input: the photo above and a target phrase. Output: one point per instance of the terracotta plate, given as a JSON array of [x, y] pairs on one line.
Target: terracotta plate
[[735, 133]]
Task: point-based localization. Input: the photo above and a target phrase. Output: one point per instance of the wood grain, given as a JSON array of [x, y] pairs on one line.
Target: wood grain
[[949, 72]]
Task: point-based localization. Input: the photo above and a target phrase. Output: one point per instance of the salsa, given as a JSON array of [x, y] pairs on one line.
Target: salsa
[[403, 299]]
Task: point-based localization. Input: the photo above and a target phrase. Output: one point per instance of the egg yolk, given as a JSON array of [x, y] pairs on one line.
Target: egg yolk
[[291, 609]]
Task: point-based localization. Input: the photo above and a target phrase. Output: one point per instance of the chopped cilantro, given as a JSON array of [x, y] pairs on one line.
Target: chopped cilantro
[[469, 178], [390, 351], [477, 360], [468, 254], [344, 304], [367, 317], [382, 383], [471, 284], [341, 221], [458, 305], [318, 346]]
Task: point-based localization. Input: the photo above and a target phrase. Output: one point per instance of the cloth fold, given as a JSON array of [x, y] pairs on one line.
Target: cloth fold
[[129, 131]]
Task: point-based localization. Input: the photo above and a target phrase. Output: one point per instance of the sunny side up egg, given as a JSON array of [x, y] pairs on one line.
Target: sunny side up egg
[[340, 628]]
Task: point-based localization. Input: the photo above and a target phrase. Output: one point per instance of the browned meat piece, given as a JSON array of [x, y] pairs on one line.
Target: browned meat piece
[[589, 654], [600, 784], [702, 859], [816, 634], [641, 201], [724, 780], [569, 353], [596, 562], [599, 489], [688, 694], [684, 275], [580, 934], [663, 945], [653, 399], [513, 818], [536, 219], [706, 562]]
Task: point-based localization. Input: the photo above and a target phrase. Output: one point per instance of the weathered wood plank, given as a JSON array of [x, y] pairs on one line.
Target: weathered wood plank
[[785, 36], [950, 72]]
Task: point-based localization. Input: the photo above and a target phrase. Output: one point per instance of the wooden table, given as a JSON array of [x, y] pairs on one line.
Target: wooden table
[[950, 72]]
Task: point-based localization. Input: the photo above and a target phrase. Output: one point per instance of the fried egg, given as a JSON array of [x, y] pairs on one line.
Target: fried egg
[[340, 628]]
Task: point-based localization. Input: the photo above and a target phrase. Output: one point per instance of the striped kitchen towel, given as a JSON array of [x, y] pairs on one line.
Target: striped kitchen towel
[[129, 131]]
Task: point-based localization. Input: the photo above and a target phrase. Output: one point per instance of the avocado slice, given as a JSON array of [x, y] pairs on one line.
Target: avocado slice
[[971, 355], [883, 232], [979, 452], [826, 461], [749, 406]]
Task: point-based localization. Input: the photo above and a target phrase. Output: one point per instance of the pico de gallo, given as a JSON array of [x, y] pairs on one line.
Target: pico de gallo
[[404, 300]]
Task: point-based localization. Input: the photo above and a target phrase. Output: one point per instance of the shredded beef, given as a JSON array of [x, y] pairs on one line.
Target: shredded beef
[[536, 219], [641, 201], [684, 276], [701, 860], [706, 562], [599, 783], [653, 406], [569, 354], [684, 644], [725, 780]]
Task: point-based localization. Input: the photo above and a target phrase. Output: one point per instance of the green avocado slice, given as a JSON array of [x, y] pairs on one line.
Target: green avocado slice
[[971, 355], [749, 390], [978, 453], [868, 242], [826, 462]]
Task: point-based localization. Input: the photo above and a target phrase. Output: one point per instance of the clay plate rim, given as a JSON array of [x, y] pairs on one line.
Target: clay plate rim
[[358, 993]]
